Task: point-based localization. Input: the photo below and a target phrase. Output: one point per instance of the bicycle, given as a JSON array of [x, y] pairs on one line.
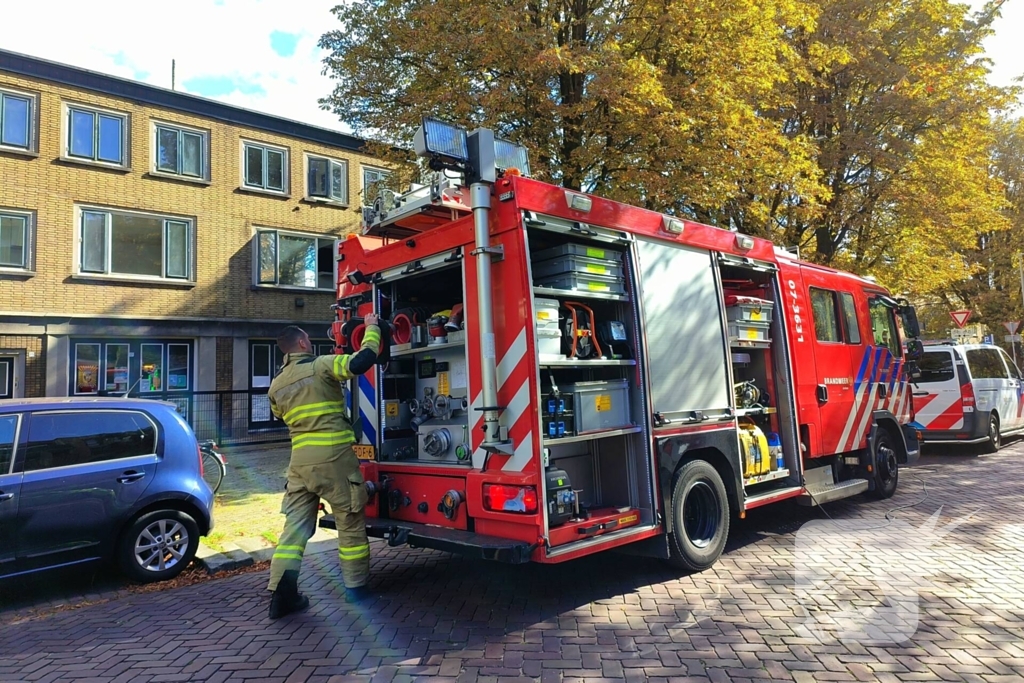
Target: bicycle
[[214, 465]]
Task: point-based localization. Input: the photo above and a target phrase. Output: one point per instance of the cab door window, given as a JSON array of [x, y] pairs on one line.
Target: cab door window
[[883, 326], [850, 318], [823, 309]]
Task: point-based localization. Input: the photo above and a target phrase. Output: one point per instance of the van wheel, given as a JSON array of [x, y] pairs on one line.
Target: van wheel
[[995, 440], [158, 545], [887, 467], [700, 517]]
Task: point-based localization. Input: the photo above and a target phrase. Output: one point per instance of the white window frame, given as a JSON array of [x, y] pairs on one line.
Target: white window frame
[[106, 273], [260, 230], [331, 164], [204, 161], [30, 232], [285, 170], [33, 111], [363, 170], [125, 117]]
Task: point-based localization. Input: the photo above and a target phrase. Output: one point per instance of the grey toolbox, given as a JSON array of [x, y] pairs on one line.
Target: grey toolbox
[[599, 406]]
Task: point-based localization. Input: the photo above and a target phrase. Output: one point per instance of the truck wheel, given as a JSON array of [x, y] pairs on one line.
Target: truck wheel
[[887, 467], [700, 517], [995, 440]]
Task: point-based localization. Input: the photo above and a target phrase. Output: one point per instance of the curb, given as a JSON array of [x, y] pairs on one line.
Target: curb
[[215, 562]]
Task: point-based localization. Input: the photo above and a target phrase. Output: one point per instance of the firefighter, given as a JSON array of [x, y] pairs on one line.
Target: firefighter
[[307, 396]]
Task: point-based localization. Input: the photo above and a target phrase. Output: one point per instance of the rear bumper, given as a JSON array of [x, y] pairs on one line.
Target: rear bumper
[[440, 538]]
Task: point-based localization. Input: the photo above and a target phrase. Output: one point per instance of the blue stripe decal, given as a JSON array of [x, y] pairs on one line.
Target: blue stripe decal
[[863, 368], [368, 429], [883, 377], [878, 363], [366, 388], [897, 372]]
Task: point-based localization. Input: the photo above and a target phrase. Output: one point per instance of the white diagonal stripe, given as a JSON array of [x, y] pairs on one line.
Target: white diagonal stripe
[[521, 458]]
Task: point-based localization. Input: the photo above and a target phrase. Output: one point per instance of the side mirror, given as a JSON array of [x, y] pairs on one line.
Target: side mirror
[[910, 325], [915, 349]]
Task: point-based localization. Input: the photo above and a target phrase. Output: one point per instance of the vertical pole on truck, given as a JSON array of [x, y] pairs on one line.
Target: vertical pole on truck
[[480, 203]]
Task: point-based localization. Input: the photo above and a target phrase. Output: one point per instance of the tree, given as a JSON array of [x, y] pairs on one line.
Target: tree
[[653, 102], [896, 104]]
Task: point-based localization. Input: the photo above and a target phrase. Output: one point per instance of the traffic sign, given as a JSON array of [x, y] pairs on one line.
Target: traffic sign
[[960, 317], [1011, 327], [989, 339]]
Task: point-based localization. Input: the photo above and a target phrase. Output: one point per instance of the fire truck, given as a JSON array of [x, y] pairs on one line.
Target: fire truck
[[563, 374]]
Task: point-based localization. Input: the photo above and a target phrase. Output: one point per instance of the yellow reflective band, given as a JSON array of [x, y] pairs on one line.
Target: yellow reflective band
[[287, 556], [350, 558], [341, 366], [299, 548], [323, 439], [312, 413], [297, 411], [371, 336], [353, 549]]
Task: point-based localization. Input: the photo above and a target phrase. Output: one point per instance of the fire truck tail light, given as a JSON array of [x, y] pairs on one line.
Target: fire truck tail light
[[502, 498]]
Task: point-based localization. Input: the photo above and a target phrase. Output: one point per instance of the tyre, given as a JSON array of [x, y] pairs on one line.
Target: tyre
[[995, 439], [213, 470], [700, 517], [158, 545], [887, 466]]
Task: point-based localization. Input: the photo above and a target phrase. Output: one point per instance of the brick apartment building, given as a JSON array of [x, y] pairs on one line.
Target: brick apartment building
[[155, 242]]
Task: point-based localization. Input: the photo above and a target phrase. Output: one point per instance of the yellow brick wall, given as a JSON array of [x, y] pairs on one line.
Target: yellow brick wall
[[224, 217], [35, 367]]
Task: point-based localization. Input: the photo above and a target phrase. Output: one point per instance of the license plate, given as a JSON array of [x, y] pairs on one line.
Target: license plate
[[363, 452]]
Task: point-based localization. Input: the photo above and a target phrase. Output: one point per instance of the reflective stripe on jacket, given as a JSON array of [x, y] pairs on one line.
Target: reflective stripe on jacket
[[307, 395]]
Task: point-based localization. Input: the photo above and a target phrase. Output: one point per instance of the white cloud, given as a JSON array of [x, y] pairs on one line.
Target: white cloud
[[215, 43], [223, 48]]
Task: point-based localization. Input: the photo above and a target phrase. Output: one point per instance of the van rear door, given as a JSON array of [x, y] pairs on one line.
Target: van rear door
[[938, 402]]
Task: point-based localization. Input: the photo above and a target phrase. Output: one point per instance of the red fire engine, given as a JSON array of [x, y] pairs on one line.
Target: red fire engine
[[566, 374]]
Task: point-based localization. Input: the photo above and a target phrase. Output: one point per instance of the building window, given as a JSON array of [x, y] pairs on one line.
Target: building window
[[265, 168], [373, 180], [327, 179], [179, 151], [16, 118], [97, 135], [117, 369], [291, 260], [87, 368], [121, 243], [15, 240]]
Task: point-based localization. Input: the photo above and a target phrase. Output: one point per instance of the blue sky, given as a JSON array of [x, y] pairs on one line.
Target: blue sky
[[260, 54]]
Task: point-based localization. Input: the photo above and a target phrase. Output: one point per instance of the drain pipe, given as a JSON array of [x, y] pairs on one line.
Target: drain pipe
[[480, 203]]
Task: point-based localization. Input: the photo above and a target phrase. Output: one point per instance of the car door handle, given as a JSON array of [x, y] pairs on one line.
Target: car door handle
[[5, 496], [130, 476]]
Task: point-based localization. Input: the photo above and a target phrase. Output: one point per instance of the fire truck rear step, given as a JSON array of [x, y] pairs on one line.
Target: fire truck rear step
[[828, 493], [466, 543]]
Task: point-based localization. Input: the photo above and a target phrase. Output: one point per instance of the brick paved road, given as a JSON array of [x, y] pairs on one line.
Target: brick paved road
[[439, 617]]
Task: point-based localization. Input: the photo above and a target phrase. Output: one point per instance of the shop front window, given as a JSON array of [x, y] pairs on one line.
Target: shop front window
[[177, 367], [87, 368], [117, 368], [152, 367]]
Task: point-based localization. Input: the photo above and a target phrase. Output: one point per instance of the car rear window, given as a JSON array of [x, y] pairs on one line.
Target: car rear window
[[936, 366], [61, 439]]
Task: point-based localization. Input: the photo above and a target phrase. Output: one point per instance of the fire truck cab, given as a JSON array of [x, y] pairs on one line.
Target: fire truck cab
[[566, 374]]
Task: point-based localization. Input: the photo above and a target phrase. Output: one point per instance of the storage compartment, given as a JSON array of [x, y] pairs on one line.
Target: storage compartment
[[577, 249], [577, 264], [748, 331], [583, 282], [549, 344], [599, 406], [546, 314], [748, 309]]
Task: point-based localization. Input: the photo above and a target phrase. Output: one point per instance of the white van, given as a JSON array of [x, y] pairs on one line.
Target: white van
[[968, 393]]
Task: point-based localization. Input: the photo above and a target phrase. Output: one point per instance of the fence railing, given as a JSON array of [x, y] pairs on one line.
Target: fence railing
[[229, 417]]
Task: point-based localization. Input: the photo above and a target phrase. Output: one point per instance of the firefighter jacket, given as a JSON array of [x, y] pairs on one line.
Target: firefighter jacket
[[308, 397]]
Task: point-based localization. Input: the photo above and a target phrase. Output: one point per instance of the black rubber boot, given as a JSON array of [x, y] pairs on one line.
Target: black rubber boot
[[286, 598], [355, 595]]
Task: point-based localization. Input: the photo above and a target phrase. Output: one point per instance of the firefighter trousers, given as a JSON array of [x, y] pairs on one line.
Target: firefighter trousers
[[340, 483]]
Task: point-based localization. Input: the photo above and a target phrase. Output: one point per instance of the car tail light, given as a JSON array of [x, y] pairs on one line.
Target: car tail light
[[967, 395], [502, 498]]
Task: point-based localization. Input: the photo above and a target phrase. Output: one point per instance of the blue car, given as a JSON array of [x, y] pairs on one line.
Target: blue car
[[92, 479]]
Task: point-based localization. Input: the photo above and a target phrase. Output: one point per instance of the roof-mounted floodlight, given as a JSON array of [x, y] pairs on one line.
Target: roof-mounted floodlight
[[509, 155], [441, 142]]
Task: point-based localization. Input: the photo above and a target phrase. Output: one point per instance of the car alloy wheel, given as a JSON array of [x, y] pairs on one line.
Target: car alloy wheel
[[161, 545]]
